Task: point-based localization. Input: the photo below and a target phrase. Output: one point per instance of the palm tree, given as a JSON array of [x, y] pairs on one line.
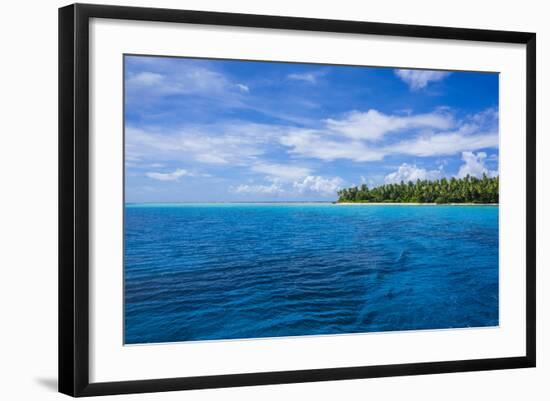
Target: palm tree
[[461, 190]]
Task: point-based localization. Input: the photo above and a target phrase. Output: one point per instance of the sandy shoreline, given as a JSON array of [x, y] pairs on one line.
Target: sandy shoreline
[[411, 204]]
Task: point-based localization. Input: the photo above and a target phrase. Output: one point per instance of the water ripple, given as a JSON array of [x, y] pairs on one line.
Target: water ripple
[[246, 271]]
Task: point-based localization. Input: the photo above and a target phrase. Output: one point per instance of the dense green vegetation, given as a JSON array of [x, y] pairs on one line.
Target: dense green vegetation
[[464, 190]]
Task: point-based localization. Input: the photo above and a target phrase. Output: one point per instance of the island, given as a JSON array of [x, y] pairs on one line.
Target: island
[[467, 190]]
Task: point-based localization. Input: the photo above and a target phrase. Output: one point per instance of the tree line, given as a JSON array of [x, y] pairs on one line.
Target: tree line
[[454, 190]]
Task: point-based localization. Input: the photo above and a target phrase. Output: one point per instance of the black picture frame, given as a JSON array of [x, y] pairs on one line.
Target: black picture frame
[[74, 198]]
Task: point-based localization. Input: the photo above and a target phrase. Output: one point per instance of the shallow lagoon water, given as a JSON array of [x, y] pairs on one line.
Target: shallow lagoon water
[[232, 271]]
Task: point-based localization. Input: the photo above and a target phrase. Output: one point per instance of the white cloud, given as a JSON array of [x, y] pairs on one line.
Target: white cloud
[[309, 77], [164, 78], [418, 79], [173, 176], [373, 125], [243, 88], [303, 77], [131, 156], [210, 158], [316, 144], [318, 184], [487, 116], [407, 172], [145, 78], [187, 79], [443, 144], [281, 171], [357, 137], [307, 185], [236, 143], [329, 144], [245, 144], [274, 188], [477, 131], [474, 165]]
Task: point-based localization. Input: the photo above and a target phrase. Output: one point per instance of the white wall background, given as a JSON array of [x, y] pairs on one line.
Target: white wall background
[[28, 199]]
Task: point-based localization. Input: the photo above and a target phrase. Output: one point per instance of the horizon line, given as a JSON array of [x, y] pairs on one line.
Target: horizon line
[[278, 201]]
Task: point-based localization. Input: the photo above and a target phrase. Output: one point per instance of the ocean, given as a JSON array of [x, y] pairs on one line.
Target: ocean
[[234, 271]]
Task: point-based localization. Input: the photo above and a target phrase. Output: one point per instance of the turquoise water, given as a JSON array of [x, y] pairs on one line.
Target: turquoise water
[[229, 271]]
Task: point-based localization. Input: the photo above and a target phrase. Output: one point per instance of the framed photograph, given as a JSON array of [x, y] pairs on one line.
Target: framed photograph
[[250, 199]]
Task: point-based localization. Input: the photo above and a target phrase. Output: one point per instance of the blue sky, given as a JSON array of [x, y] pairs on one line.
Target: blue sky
[[220, 130]]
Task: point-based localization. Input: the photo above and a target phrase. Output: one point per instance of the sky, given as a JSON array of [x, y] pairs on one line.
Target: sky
[[204, 130]]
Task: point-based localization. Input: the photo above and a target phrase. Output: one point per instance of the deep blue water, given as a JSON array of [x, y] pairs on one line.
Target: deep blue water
[[227, 271]]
